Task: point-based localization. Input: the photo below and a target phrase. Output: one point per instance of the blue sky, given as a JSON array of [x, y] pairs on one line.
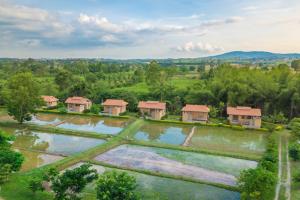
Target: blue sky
[[146, 28]]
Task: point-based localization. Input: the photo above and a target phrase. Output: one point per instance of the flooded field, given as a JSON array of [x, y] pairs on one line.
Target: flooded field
[[36, 159], [205, 167], [163, 132], [152, 187], [103, 125], [229, 140], [52, 143]]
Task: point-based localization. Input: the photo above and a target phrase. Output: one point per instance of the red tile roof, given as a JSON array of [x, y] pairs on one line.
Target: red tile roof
[[49, 98], [78, 100], [195, 108], [114, 102], [244, 111], [152, 105]]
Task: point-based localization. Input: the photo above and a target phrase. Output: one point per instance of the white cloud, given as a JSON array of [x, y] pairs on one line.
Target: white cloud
[[250, 8], [199, 47], [32, 20], [100, 22]]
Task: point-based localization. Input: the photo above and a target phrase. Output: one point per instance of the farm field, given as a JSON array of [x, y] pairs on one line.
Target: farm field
[[153, 187], [216, 169], [37, 159], [51, 143], [104, 125], [163, 133], [229, 140]]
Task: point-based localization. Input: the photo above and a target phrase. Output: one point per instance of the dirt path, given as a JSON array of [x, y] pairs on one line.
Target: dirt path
[[189, 137], [288, 178], [279, 170]]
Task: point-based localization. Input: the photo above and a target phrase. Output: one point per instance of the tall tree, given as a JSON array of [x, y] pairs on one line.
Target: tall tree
[[296, 65], [22, 96]]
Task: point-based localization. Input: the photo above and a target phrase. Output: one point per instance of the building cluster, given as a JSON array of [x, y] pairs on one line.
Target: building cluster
[[244, 116]]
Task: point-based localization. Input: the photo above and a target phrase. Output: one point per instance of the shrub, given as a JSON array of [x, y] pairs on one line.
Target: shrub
[[95, 109], [62, 109], [296, 177], [87, 111], [294, 151], [116, 185], [257, 183]]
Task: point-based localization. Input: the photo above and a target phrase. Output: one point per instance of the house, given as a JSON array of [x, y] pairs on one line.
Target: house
[[153, 109], [114, 106], [50, 101], [78, 104], [244, 116], [195, 113]]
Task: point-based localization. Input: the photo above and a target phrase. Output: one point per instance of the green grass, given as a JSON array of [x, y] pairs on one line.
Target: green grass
[[295, 188]]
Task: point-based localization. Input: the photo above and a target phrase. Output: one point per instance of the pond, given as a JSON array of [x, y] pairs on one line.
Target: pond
[[52, 143], [36, 159], [217, 169], [104, 125], [153, 187], [229, 140], [163, 132]]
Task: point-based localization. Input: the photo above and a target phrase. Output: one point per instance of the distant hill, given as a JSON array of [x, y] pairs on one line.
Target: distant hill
[[250, 55]]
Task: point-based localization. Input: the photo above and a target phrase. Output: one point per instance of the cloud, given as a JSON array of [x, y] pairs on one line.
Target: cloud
[[32, 20], [29, 43], [199, 47]]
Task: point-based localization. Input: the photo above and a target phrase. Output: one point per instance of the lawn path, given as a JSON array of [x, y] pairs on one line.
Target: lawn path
[[189, 137], [279, 171], [288, 178]]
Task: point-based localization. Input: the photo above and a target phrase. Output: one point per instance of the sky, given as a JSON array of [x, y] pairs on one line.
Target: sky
[[125, 29]]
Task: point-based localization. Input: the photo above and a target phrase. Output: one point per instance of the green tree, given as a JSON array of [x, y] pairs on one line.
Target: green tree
[[12, 158], [63, 79], [117, 186], [95, 109], [153, 73], [296, 65], [294, 151], [69, 185], [22, 96], [36, 185], [257, 184]]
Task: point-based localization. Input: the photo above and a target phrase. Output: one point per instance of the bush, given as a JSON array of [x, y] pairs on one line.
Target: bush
[[62, 109], [116, 185], [276, 118], [294, 125], [257, 183], [294, 151], [95, 109], [296, 177]]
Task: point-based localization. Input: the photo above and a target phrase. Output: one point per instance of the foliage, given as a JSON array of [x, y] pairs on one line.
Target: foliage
[[22, 96], [62, 109], [276, 118], [116, 185], [11, 157], [36, 185], [294, 151], [69, 185], [5, 170], [296, 65], [95, 109], [294, 125], [296, 177], [257, 184]]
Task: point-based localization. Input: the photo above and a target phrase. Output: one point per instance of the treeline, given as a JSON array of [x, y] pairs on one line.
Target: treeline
[[276, 90]]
